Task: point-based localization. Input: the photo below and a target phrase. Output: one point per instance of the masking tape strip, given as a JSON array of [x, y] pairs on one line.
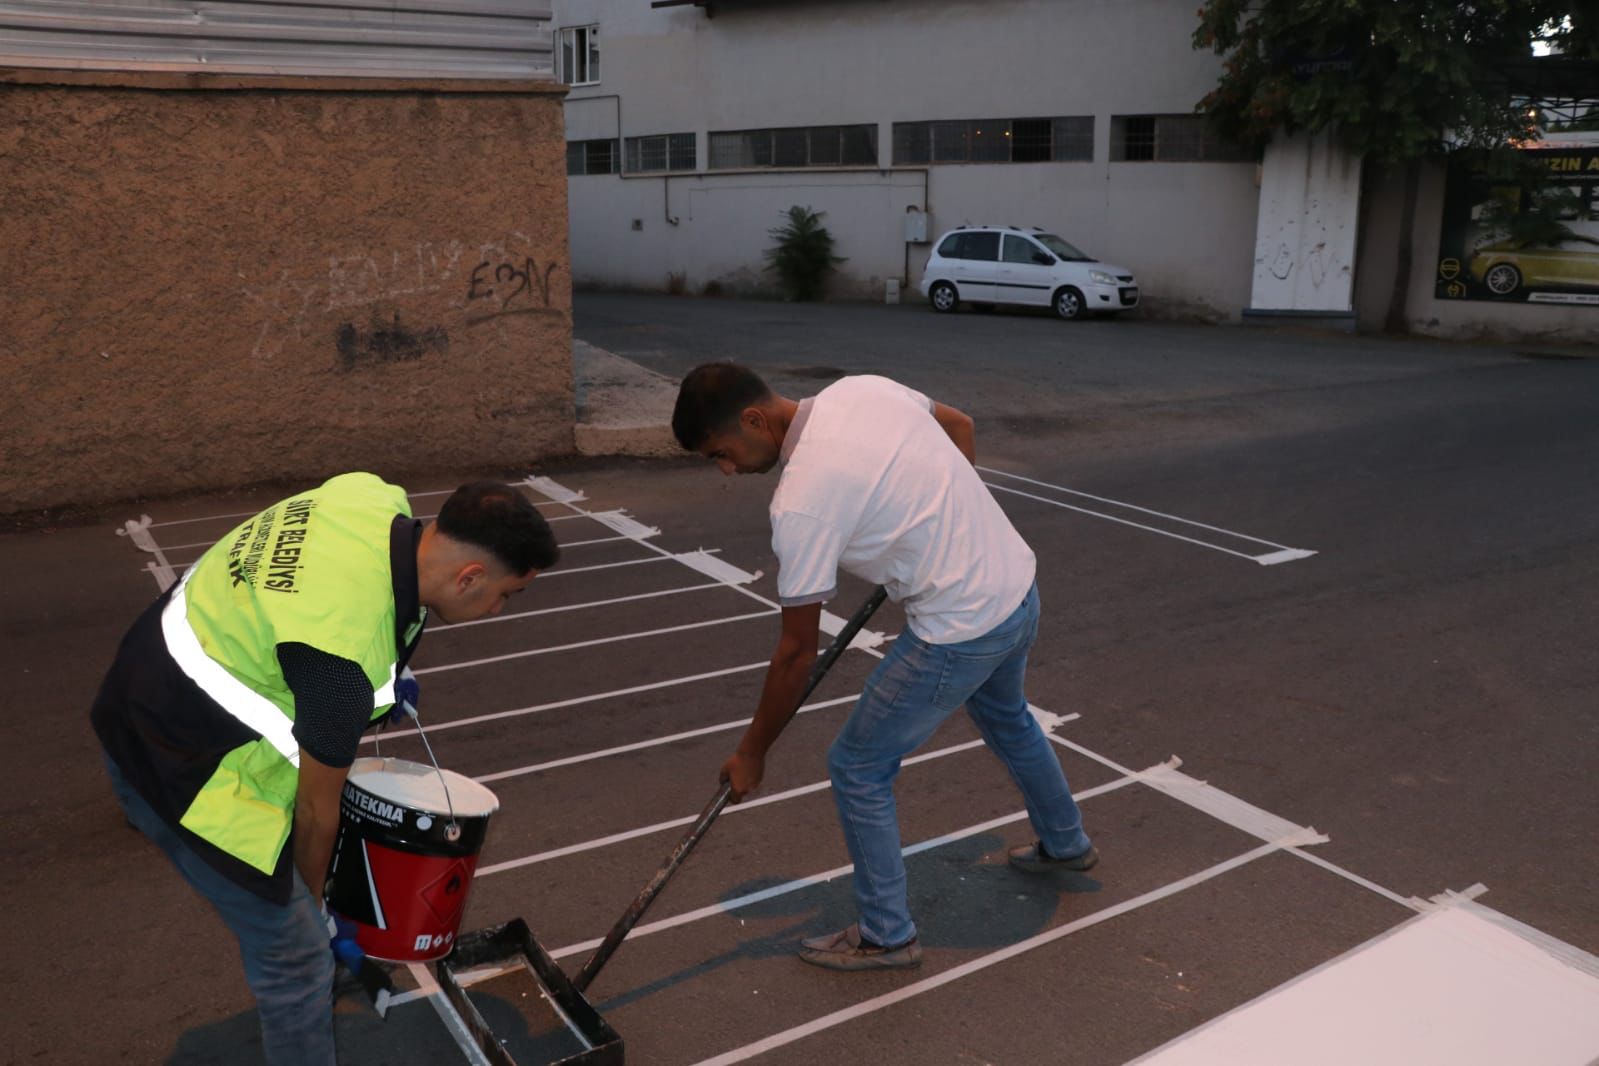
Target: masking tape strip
[[139, 532], [624, 525], [1557, 949], [554, 490], [1227, 808], [1287, 555], [712, 567], [865, 640]]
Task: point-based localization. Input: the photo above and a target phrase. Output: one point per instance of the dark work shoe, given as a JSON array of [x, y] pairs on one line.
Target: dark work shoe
[[844, 950], [1035, 860]]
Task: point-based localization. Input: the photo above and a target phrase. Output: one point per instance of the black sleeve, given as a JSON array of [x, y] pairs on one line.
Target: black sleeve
[[332, 702]]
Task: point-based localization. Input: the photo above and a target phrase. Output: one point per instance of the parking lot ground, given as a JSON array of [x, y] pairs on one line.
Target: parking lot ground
[[1350, 590]]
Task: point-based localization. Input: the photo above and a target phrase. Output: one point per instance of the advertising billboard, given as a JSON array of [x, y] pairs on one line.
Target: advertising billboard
[[1536, 241]]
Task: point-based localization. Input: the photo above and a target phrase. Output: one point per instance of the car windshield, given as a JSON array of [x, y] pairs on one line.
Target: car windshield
[[1061, 248]]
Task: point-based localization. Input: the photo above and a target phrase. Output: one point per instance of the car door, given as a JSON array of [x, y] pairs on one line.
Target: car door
[[1024, 272], [979, 264]]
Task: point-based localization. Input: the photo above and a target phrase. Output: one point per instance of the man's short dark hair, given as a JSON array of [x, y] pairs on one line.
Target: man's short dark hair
[[710, 400], [500, 520]]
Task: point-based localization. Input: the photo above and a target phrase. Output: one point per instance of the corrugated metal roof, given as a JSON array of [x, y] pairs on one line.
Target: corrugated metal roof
[[371, 38]]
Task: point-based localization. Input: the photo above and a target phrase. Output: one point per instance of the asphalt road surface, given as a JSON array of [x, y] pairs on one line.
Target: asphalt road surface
[[1347, 582]]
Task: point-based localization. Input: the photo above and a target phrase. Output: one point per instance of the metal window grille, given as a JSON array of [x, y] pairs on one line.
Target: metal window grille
[[1170, 139], [995, 140], [952, 142], [660, 152], [859, 146], [1132, 138], [1073, 139], [826, 146], [990, 140], [795, 147], [593, 157], [913, 143], [682, 151], [1030, 140]]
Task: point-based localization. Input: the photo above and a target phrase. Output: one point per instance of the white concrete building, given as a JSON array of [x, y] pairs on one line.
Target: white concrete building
[[692, 127]]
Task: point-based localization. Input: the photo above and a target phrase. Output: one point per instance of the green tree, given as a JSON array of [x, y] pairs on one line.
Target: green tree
[[803, 256], [1400, 81]]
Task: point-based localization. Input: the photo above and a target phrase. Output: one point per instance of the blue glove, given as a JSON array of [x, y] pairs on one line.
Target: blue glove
[[407, 691], [341, 939]]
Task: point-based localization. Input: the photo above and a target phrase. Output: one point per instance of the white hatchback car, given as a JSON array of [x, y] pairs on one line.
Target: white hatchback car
[[1006, 265]]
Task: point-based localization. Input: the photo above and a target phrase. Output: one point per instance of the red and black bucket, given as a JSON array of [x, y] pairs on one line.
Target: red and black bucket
[[406, 852]]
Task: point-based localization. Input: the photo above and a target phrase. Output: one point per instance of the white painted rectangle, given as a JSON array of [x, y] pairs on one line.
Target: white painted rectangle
[[1458, 986]]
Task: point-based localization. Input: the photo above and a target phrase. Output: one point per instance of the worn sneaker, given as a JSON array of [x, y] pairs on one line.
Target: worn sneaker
[[844, 950], [1035, 860]]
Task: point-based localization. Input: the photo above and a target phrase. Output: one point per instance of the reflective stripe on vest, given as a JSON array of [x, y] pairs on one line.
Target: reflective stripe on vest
[[231, 694]]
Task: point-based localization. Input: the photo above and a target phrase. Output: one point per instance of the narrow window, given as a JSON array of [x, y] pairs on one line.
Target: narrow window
[[579, 55]]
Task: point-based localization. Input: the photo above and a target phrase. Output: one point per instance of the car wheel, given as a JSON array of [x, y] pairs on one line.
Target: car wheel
[[1502, 280], [943, 297], [1069, 303]]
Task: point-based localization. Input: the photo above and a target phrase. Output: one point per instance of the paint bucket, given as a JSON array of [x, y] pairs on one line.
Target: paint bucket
[[400, 871]]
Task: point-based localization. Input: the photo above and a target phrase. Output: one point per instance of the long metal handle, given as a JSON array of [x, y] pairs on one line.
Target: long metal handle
[[702, 824]]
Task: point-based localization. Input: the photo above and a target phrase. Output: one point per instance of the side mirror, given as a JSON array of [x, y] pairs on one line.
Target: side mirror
[[1043, 258]]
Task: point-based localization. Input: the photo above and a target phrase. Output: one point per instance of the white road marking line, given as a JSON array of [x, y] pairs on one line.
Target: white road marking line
[[728, 906], [641, 745], [1181, 795], [565, 544], [457, 723], [732, 576], [591, 643], [877, 1003], [1355, 878], [427, 986], [658, 827], [575, 606], [667, 558], [1120, 521], [258, 510], [1135, 507]]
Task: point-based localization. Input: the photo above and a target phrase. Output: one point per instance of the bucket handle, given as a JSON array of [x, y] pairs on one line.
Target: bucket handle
[[452, 828]]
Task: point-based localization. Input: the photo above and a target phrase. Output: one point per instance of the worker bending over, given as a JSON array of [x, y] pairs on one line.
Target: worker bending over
[[236, 703], [878, 480]]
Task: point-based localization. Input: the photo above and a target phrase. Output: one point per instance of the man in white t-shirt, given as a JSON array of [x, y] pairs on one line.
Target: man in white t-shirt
[[878, 480]]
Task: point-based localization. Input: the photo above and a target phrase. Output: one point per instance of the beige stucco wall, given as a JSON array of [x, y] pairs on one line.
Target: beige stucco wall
[[212, 281]]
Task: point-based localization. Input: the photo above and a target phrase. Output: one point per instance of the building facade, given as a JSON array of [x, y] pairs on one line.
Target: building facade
[[692, 128]]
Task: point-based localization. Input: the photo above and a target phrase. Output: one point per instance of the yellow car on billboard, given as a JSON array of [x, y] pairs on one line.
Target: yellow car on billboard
[[1504, 268]]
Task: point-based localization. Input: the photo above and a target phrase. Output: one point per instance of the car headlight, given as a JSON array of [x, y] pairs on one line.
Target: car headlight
[[1100, 277]]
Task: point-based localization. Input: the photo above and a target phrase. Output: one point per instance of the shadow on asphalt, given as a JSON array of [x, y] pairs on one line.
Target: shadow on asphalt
[[962, 901]]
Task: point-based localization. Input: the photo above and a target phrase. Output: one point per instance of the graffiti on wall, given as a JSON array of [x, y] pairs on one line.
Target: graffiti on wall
[[504, 277]]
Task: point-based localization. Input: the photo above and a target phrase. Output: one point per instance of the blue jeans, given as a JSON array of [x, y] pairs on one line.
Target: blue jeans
[[910, 693], [285, 947]]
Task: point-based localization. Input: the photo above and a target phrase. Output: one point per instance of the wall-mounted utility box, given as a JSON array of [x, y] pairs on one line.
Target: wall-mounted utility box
[[916, 223]]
